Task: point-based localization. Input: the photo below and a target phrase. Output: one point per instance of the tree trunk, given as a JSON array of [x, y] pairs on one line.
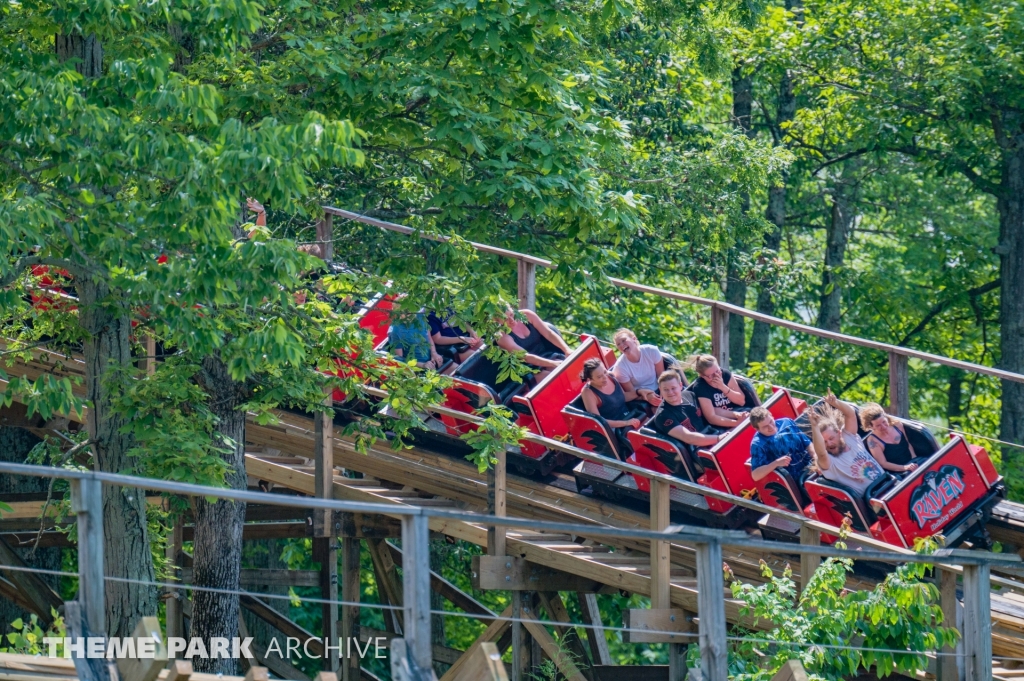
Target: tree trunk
[[775, 211], [217, 556], [1011, 266], [735, 282], [88, 50], [837, 236], [125, 533]]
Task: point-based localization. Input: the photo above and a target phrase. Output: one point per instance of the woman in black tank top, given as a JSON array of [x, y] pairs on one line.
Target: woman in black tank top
[[887, 440], [609, 405], [544, 348]]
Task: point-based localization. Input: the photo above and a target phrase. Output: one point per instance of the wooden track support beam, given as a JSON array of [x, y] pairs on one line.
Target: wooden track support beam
[[494, 632], [351, 592], [389, 587], [599, 652]]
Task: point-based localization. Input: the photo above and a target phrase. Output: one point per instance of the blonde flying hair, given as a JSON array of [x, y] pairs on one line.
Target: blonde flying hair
[[870, 413]]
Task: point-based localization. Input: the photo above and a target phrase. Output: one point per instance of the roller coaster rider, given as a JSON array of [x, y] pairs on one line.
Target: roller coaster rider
[[779, 443], [677, 419], [841, 454], [603, 396], [718, 393], [544, 348], [887, 440], [638, 368]]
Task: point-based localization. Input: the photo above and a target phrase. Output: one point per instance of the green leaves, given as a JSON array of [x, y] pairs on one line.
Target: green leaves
[[497, 432]]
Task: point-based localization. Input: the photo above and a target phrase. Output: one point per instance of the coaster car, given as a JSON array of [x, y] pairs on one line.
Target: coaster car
[[721, 467], [951, 494], [538, 408]]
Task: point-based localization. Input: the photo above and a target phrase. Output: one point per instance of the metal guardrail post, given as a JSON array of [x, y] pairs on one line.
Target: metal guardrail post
[[87, 503], [527, 272], [899, 385], [720, 335], [496, 491], [977, 629], [711, 612], [416, 590]]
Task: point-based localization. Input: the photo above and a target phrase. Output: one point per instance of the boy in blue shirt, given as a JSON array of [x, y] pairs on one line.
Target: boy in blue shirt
[[778, 444]]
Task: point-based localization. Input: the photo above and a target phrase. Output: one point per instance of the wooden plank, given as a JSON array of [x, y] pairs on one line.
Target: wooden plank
[[563, 661], [568, 636], [947, 666], [32, 592], [281, 623], [595, 632], [660, 564], [720, 334], [711, 612], [493, 632], [792, 670], [351, 592], [257, 674], [977, 623], [899, 385], [514, 572], [650, 625], [416, 588], [178, 670], [496, 504], [145, 668], [387, 580], [527, 284], [484, 664], [87, 503], [808, 563], [369, 526]]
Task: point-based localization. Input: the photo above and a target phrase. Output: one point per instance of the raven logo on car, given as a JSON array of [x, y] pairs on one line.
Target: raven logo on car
[[937, 490]]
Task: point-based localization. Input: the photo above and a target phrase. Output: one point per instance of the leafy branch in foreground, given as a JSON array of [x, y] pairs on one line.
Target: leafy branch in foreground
[[835, 632], [497, 432]]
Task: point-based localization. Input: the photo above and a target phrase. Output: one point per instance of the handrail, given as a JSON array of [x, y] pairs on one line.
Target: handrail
[[706, 302]]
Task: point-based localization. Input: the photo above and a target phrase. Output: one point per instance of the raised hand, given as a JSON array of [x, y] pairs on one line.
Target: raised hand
[[830, 399], [254, 205]]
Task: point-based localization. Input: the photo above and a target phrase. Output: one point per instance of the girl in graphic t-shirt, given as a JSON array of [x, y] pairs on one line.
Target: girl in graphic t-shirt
[[718, 393], [842, 456], [638, 368]]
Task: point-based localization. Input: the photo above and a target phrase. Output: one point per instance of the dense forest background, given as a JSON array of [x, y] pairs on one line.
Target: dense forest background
[[858, 166]]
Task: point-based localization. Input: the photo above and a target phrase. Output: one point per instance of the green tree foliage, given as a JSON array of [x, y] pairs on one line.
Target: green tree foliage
[[900, 614]]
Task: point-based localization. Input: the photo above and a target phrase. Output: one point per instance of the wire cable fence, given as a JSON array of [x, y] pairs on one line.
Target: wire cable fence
[[496, 617]]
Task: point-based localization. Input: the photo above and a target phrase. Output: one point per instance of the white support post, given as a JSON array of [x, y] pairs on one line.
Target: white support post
[[416, 590], [720, 335], [87, 503], [527, 285], [711, 611], [977, 623], [899, 386]]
